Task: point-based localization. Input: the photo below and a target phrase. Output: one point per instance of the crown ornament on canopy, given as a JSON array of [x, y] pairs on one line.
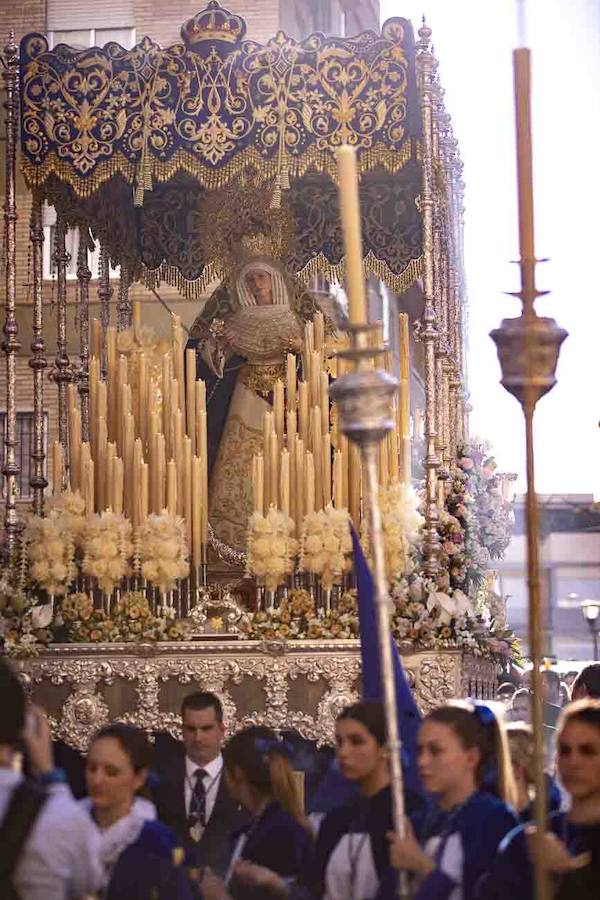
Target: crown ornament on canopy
[[213, 24]]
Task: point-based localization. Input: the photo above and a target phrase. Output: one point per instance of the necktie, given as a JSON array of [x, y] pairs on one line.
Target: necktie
[[198, 805]]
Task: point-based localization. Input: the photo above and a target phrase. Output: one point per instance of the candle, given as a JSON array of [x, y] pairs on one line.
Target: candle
[[137, 319], [142, 396], [324, 402], [350, 214], [309, 483], [109, 474], [338, 480], [178, 363], [84, 458], [57, 467], [136, 482], [290, 378], [315, 378], [145, 480], [279, 410], [303, 410], [117, 485], [522, 87], [354, 474], [203, 453], [258, 483], [111, 378], [172, 487], [197, 503], [96, 339], [291, 430], [187, 486], [177, 452], [89, 487], [159, 474], [284, 483], [273, 469], [393, 455], [94, 377], [326, 469], [166, 391], [127, 456], [344, 446], [299, 466], [404, 397], [101, 453], [267, 429], [317, 451], [74, 446], [384, 474], [190, 395], [200, 396]]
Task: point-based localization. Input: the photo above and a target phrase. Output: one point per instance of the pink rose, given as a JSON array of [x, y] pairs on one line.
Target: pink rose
[[466, 462], [449, 547]]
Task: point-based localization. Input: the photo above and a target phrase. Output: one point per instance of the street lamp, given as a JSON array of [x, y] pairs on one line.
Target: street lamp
[[591, 611]]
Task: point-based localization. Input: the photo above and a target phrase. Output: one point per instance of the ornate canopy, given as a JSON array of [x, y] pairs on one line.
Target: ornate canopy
[[129, 142]]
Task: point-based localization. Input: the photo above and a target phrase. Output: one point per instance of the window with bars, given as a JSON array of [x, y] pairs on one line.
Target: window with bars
[[23, 450]]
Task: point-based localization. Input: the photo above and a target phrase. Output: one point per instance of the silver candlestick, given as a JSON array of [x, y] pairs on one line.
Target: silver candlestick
[[364, 400]]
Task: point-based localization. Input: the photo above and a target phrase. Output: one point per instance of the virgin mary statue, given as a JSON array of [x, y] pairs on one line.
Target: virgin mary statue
[[242, 338]]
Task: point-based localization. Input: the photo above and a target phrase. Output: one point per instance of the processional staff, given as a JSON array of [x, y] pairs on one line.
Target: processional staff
[[364, 401], [528, 349]]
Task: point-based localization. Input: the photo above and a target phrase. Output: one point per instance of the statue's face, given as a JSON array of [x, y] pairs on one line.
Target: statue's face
[[259, 284]]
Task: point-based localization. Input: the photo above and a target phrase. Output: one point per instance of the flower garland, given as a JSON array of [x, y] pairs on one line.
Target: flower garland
[[21, 633], [326, 545], [271, 547], [161, 551], [296, 619], [107, 549], [131, 620]]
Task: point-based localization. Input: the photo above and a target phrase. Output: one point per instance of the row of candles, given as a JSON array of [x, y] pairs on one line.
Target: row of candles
[[148, 436], [306, 462]]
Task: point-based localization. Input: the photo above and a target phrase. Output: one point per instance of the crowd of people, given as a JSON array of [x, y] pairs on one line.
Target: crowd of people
[[225, 818]]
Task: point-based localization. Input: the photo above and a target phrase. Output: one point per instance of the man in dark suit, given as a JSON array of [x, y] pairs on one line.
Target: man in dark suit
[[192, 796]]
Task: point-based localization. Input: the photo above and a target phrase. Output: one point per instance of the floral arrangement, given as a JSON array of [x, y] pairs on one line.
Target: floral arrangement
[[326, 545], [161, 553], [401, 522], [131, 619], [107, 548], [50, 549], [271, 547], [296, 618], [22, 631]]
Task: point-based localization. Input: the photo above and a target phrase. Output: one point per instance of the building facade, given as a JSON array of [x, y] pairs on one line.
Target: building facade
[[570, 573], [88, 23]]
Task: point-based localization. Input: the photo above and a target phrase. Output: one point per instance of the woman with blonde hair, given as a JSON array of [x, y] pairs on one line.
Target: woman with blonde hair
[[276, 847], [462, 747], [520, 741]]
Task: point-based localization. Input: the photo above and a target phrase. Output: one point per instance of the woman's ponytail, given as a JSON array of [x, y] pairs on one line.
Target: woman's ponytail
[[285, 785]]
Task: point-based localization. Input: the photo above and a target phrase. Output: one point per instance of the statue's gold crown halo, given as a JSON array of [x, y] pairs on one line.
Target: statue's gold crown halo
[[239, 224]]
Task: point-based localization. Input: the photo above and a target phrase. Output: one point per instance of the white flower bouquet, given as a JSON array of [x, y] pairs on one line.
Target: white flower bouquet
[[107, 549], [161, 552], [271, 547], [326, 545]]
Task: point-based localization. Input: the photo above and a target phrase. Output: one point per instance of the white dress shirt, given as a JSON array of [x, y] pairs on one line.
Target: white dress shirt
[[212, 780], [61, 857]]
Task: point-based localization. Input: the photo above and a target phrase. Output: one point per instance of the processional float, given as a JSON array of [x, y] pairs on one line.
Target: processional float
[[130, 147]]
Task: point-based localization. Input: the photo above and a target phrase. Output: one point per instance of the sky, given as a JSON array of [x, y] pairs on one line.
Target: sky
[[473, 40]]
